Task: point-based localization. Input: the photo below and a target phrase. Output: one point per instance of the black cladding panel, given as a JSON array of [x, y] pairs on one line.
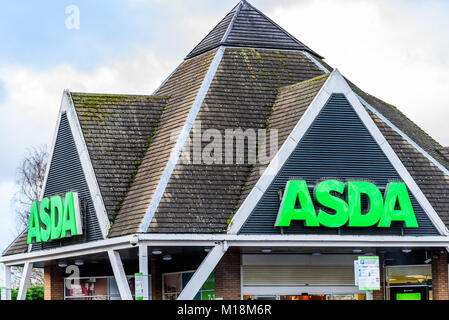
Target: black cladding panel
[[66, 175], [336, 146]]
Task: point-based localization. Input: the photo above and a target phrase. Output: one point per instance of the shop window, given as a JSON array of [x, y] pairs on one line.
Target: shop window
[[174, 283], [409, 282], [95, 288], [306, 297]]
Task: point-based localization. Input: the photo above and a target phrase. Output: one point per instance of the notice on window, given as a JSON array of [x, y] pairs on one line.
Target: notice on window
[[139, 286], [367, 273]]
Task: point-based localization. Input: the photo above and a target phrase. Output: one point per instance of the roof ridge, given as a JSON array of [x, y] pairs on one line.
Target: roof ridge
[[305, 82], [117, 95], [247, 26], [231, 24], [280, 28]]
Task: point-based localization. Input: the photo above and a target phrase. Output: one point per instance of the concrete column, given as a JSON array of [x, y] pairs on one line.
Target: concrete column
[[143, 269], [228, 277], [440, 287], [7, 282]]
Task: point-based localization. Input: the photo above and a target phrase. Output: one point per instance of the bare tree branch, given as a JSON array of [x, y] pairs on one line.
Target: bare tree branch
[[30, 178]]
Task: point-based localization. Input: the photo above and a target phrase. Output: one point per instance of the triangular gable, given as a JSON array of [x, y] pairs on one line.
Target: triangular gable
[[337, 86], [70, 169], [245, 26]]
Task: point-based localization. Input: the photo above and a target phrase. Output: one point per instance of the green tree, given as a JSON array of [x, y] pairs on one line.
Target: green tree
[[33, 293]]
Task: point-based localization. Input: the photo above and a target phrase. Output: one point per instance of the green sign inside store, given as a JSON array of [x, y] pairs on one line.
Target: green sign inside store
[[346, 207], [54, 218]]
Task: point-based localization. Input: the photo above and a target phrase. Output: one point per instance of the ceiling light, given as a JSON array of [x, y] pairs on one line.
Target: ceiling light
[[156, 252], [369, 254], [62, 264], [79, 262], [316, 254], [267, 250], [167, 257], [357, 250], [406, 250]]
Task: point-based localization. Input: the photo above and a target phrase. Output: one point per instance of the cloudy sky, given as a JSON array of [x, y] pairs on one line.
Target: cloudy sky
[[395, 49]]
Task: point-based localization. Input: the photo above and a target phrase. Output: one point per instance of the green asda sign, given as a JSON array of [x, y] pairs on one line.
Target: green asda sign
[[297, 204], [55, 219]]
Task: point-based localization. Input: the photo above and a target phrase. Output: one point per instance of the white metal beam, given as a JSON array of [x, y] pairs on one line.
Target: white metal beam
[[238, 240], [25, 280], [86, 164], [203, 272], [6, 283], [143, 269], [119, 274]]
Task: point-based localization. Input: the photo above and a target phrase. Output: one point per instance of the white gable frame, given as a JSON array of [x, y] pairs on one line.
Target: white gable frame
[[334, 84], [387, 122], [68, 108]]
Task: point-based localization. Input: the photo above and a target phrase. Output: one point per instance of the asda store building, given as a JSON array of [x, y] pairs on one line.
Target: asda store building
[[255, 171]]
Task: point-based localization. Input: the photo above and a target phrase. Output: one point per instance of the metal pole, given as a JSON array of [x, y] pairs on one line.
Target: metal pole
[[6, 282], [143, 269], [25, 280], [119, 274], [203, 272]]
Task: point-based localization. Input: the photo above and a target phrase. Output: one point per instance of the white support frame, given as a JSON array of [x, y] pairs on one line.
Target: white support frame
[[119, 274], [86, 164], [25, 280], [334, 84], [143, 269], [203, 272], [385, 120], [7, 282], [210, 240]]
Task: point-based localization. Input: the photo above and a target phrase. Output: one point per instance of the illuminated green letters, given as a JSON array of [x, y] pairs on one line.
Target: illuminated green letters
[[297, 205], [54, 219]]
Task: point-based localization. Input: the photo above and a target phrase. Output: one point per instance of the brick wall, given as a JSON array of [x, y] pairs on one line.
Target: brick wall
[[440, 276], [53, 283], [227, 277]]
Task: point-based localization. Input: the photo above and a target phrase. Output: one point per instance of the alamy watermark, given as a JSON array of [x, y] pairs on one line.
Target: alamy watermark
[[73, 20], [231, 146]]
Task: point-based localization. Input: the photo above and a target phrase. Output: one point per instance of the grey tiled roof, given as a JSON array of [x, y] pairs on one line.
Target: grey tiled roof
[[433, 182], [117, 129], [18, 246], [445, 153], [130, 138], [199, 197], [183, 87], [245, 26]]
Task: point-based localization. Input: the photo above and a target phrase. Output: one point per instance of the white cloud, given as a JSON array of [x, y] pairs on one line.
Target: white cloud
[[394, 50], [33, 97]]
